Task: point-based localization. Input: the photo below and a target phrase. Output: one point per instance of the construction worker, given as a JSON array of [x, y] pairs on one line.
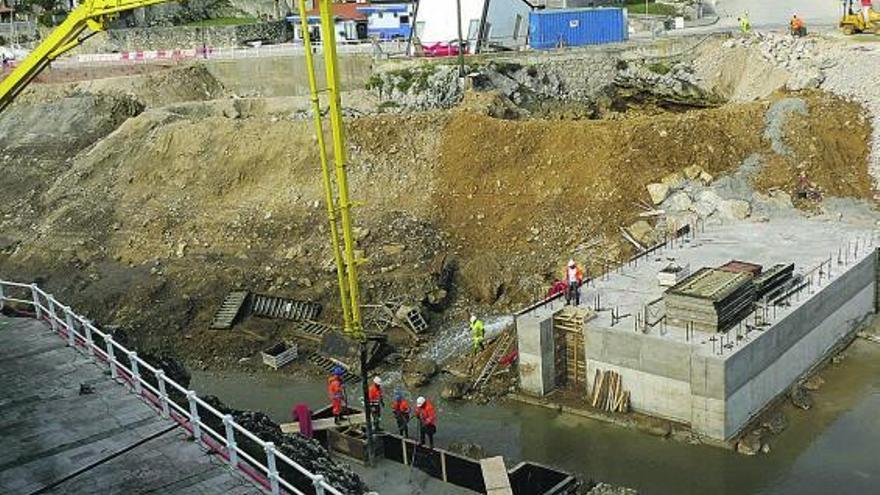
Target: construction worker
[[478, 333], [574, 278], [744, 25], [400, 409], [866, 11], [558, 287], [427, 421], [376, 402], [798, 27], [336, 392]]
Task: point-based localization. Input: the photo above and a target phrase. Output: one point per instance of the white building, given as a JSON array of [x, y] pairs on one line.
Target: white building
[[503, 23]]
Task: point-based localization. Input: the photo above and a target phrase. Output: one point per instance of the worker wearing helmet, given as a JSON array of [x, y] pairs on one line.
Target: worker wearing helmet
[[336, 393], [798, 27], [478, 333], [427, 421], [400, 408], [374, 396], [574, 278]]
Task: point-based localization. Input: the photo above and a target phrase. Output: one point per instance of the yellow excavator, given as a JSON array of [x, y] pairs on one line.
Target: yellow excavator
[[91, 15], [854, 22]]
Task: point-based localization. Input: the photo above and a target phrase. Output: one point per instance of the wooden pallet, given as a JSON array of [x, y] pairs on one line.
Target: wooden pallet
[[285, 309], [229, 309], [311, 330]]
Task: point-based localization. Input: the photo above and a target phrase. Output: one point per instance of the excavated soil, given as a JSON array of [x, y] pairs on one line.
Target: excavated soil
[[152, 219]]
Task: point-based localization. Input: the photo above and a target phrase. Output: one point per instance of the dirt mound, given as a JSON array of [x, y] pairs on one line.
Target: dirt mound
[[153, 89]]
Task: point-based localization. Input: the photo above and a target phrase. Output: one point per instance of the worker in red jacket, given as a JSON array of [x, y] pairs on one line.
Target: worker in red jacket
[[427, 421], [336, 393], [376, 402], [400, 409]]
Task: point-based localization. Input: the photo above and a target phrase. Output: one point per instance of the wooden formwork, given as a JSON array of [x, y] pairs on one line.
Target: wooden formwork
[[568, 335]]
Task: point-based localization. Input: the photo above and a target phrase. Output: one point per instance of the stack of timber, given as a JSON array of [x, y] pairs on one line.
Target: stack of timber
[[608, 393], [774, 281], [710, 300]]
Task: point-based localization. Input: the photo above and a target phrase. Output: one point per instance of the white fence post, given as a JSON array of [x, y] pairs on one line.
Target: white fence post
[[318, 481], [36, 297], [272, 469], [2, 297], [110, 357], [68, 317], [135, 372], [53, 315], [194, 420], [231, 446], [90, 340], [163, 395]]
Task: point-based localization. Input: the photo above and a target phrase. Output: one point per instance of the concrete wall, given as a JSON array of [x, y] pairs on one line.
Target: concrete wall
[[285, 76], [767, 367], [186, 37], [534, 333], [655, 371], [719, 395]]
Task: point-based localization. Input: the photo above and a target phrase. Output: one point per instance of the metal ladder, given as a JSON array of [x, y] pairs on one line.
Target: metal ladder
[[504, 341], [327, 365]]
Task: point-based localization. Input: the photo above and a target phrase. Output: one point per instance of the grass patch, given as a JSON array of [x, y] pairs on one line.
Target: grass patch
[[223, 21], [661, 68], [638, 7]]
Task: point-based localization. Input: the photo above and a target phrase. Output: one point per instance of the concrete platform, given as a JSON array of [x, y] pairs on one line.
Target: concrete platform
[[58, 441], [716, 382]]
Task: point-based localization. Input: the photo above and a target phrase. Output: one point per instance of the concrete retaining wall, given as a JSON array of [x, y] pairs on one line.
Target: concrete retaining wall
[[184, 37], [768, 366], [535, 345], [285, 76]]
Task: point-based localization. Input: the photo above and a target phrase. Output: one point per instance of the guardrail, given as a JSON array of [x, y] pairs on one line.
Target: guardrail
[[275, 472]]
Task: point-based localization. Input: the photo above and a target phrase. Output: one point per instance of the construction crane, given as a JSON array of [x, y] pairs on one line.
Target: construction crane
[[335, 185], [83, 22]]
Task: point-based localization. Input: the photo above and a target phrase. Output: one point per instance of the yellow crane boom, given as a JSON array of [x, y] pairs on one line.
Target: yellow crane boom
[[91, 15]]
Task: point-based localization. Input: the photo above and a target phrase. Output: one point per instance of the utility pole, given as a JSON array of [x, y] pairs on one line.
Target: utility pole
[[460, 41]]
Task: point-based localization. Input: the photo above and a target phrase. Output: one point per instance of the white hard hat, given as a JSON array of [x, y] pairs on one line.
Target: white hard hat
[[473, 318], [420, 401], [377, 380], [571, 263]]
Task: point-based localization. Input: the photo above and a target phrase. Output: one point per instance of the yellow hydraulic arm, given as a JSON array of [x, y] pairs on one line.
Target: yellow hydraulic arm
[[93, 15]]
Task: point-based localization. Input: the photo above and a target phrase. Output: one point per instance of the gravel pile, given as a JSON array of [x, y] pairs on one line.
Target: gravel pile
[[308, 453]]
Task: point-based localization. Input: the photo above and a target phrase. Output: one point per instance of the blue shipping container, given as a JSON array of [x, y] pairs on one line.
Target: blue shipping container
[[576, 27]]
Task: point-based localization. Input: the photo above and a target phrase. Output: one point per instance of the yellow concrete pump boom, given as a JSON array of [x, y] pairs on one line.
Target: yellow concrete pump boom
[[93, 15]]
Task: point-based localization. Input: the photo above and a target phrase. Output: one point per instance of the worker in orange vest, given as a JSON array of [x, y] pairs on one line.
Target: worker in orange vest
[[376, 402], [400, 409], [427, 421], [574, 278], [336, 393]]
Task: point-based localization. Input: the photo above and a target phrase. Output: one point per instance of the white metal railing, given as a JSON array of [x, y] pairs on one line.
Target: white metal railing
[[82, 335]]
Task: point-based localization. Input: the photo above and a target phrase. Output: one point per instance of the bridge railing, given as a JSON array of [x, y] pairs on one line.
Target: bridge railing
[[239, 447]]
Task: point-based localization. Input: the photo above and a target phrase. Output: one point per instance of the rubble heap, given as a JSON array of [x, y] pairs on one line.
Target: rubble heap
[[308, 453]]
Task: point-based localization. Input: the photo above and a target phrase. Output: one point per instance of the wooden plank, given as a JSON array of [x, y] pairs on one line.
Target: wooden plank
[[326, 423], [495, 476]]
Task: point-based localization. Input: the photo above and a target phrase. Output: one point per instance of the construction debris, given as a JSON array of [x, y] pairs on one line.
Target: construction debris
[[608, 393]]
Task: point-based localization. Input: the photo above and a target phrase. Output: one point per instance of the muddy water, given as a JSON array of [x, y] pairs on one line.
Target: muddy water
[[833, 448]]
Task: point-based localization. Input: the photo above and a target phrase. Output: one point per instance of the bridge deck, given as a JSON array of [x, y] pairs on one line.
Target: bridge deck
[[58, 441]]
